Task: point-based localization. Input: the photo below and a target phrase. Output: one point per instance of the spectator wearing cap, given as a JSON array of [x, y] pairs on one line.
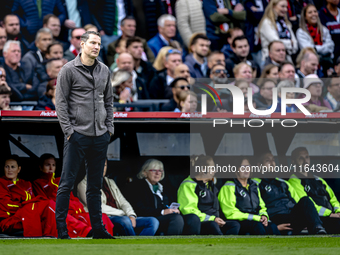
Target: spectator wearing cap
[[166, 31], [190, 19], [11, 24], [290, 95], [264, 98], [314, 84], [333, 91], [5, 91], [220, 16], [276, 26], [197, 59], [313, 34], [277, 53], [128, 28], [179, 84], [241, 53], [330, 18], [160, 84], [74, 49], [230, 35]]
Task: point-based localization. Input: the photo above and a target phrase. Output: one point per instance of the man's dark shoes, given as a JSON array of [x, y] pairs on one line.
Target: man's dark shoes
[[319, 230], [63, 233], [102, 234]]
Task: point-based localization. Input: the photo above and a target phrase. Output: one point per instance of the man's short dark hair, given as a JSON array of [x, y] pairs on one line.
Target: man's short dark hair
[[271, 44], [285, 63], [230, 32], [238, 38], [10, 15], [127, 18], [296, 151], [5, 91], [133, 40], [84, 37], [53, 44], [197, 37], [218, 64], [45, 157], [174, 82], [329, 80], [47, 18]]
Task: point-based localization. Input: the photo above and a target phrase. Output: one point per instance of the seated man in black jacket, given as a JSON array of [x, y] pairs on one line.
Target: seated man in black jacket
[[179, 84], [149, 198], [284, 206]]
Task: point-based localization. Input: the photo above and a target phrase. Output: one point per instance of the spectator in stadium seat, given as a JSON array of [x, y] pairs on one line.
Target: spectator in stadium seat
[[314, 84], [313, 34], [190, 19], [55, 50], [3, 39], [120, 48], [20, 209], [245, 71], [160, 84], [214, 58], [309, 64], [276, 26], [187, 102], [125, 62], [5, 91], [337, 66], [31, 14], [289, 107], [317, 189], [264, 98], [119, 209], [144, 69], [177, 85], [158, 64], [333, 94], [34, 59], [24, 84], [198, 195], [74, 49], [240, 200], [241, 53], [12, 26], [220, 15], [153, 200], [284, 206], [219, 75], [166, 31], [287, 71], [128, 28], [270, 71], [277, 53], [329, 17], [182, 70], [197, 59], [52, 22], [230, 35]]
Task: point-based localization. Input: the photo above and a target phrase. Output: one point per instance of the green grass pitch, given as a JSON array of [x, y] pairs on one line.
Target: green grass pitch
[[171, 245]]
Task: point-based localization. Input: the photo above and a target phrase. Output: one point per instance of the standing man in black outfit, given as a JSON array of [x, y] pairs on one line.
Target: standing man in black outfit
[[84, 104]]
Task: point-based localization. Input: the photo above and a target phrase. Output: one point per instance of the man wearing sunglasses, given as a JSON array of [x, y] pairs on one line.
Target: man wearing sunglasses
[[179, 84], [74, 49]]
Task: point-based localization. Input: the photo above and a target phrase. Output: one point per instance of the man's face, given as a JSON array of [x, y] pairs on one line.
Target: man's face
[[56, 51], [180, 86], [54, 68], [333, 2], [182, 70], [277, 52], [287, 73], [334, 87], [12, 25], [310, 66], [136, 50], [54, 25], [125, 62], [303, 158], [267, 90], [219, 74], [216, 59], [13, 54], [44, 41], [3, 37], [201, 47], [169, 29], [92, 46], [76, 37], [268, 160], [129, 28], [173, 61], [241, 48], [4, 101]]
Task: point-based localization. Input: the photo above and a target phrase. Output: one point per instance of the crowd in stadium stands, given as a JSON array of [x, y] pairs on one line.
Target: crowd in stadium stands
[[148, 44], [237, 206]]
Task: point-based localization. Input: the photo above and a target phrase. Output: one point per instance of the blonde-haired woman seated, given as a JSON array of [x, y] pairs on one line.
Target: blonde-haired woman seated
[[149, 198]]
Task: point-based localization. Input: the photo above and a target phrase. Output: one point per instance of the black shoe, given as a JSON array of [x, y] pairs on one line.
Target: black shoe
[[320, 230], [63, 233], [102, 234]]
